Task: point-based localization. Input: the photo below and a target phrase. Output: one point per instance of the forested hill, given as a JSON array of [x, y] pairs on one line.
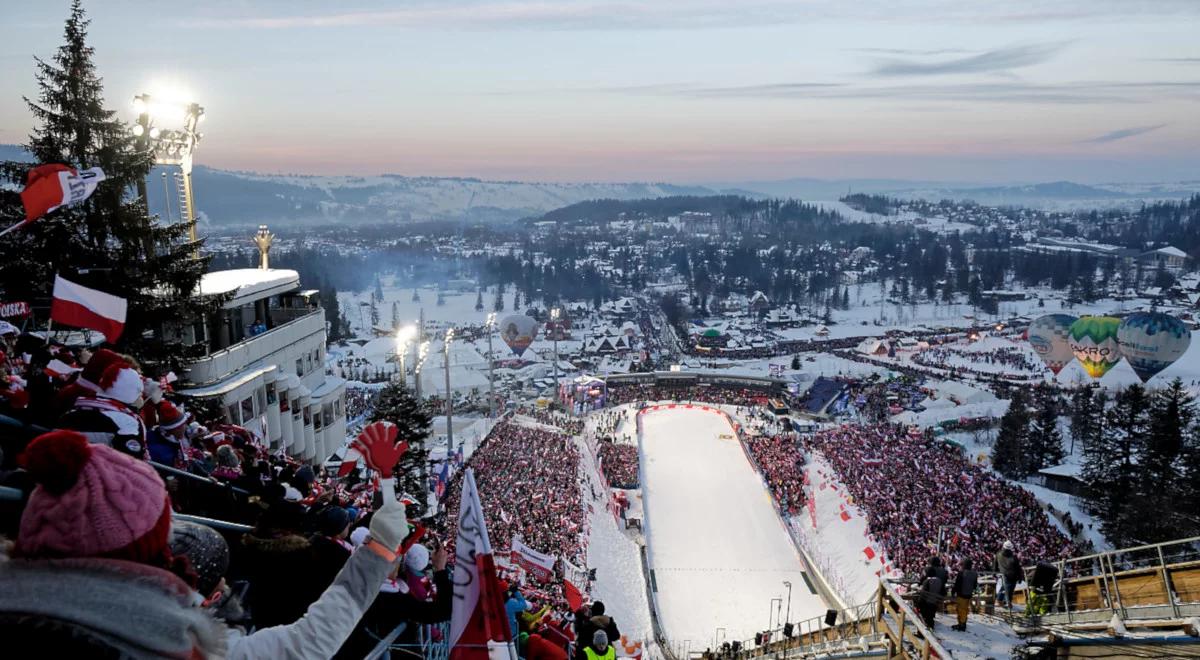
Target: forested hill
[[1162, 223], [769, 211]]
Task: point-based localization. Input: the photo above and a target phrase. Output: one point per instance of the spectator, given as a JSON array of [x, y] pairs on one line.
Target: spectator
[[514, 605], [599, 649], [964, 588], [1008, 565], [598, 622], [930, 596]]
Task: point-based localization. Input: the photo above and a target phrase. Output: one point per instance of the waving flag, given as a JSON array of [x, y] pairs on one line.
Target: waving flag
[[48, 187], [478, 618], [81, 307]]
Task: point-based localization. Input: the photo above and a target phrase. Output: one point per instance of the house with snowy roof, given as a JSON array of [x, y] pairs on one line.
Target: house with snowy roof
[[1169, 257]]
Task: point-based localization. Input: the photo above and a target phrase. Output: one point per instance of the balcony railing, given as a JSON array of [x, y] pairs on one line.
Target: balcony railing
[[220, 364]]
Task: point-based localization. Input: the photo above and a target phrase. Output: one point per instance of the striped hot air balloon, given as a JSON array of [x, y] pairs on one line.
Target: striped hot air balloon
[[1094, 343], [1152, 341]]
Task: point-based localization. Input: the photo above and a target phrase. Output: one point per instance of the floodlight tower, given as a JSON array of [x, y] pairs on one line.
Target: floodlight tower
[[490, 325], [170, 146], [449, 396]]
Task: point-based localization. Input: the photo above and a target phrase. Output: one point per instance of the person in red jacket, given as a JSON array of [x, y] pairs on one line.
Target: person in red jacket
[[536, 647]]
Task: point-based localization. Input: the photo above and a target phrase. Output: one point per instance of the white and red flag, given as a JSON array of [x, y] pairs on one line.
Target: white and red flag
[[478, 620], [48, 187], [81, 307]]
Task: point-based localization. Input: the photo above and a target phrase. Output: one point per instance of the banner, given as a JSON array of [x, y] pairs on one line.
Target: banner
[[478, 619], [10, 309], [539, 565], [51, 186]]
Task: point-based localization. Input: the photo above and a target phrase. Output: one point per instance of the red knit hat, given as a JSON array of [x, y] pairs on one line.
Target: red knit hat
[[170, 417], [92, 501], [94, 370]]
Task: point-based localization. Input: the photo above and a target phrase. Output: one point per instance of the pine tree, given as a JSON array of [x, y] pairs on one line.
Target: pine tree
[[479, 301], [498, 303], [1009, 452], [416, 296], [796, 362], [378, 289], [1161, 490], [441, 299], [127, 252], [516, 306], [329, 302], [374, 314], [1045, 442], [414, 418], [395, 315], [1110, 466], [846, 298]]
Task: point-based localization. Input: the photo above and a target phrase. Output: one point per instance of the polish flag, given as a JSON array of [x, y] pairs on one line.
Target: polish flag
[[869, 552], [478, 621], [845, 516], [51, 186], [82, 307]]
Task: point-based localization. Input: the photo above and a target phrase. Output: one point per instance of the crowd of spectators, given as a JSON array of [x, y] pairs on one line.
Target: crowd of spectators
[[105, 460], [1008, 359], [619, 462], [635, 393], [359, 400], [569, 424], [912, 487], [781, 465], [528, 480]]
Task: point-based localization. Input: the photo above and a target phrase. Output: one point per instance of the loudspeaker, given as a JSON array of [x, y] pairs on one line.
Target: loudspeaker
[[789, 630], [830, 617]]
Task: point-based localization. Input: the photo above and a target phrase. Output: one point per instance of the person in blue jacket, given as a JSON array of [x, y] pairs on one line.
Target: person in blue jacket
[[514, 605]]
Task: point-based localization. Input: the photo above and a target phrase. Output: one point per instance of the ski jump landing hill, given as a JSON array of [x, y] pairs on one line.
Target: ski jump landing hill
[[718, 552]]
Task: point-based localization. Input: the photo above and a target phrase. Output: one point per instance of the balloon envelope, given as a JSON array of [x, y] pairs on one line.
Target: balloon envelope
[[518, 331], [1050, 338], [1152, 341], [1094, 343]]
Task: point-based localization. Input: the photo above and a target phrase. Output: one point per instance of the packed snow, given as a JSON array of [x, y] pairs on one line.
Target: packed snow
[[718, 551]]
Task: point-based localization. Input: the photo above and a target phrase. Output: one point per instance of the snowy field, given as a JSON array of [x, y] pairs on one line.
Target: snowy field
[[718, 551]]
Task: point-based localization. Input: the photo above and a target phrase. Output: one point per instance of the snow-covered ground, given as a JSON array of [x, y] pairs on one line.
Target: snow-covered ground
[[718, 550], [837, 543]]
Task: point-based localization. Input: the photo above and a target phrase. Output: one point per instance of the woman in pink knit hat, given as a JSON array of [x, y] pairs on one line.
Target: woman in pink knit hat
[[91, 573]]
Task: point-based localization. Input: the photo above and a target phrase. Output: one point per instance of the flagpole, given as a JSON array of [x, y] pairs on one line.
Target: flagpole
[[6, 231]]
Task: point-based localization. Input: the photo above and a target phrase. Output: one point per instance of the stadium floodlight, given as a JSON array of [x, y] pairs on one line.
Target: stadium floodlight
[[404, 337], [169, 145]]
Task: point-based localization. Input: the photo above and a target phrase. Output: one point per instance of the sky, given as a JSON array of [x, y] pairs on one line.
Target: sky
[[685, 91]]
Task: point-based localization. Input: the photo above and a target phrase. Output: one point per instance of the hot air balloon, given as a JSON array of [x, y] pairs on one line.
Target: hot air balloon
[[1151, 341], [518, 332], [1094, 343], [1049, 336]]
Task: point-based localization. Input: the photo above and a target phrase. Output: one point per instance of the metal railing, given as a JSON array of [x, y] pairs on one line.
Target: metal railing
[[1154, 581]]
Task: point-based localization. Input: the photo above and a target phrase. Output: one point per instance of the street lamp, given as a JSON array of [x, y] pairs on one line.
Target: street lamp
[[404, 337], [170, 146], [554, 315], [490, 325], [788, 614], [422, 353], [449, 397]]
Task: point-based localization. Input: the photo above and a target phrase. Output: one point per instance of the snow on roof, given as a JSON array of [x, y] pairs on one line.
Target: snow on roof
[[248, 284], [1064, 470], [1171, 251]]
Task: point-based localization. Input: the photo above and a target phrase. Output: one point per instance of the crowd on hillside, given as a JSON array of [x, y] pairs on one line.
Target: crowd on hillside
[[529, 481], [913, 486], [781, 465], [358, 401], [567, 423], [619, 463], [634, 393], [1008, 359]]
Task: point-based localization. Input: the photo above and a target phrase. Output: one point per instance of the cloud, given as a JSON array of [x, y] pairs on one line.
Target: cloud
[[1000, 59], [1121, 134], [996, 92], [1177, 60]]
